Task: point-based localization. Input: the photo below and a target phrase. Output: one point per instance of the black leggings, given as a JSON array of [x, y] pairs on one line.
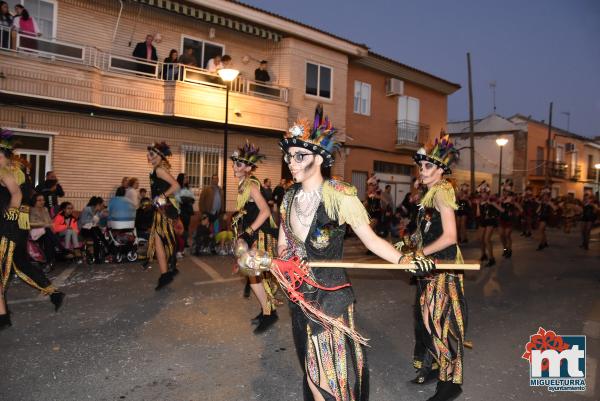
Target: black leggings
[[49, 242]]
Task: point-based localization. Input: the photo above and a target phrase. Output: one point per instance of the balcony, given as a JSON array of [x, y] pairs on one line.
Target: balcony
[[410, 135], [592, 173], [67, 72], [542, 168], [575, 172]]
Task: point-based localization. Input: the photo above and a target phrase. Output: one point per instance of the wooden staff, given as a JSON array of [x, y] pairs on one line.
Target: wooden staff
[[471, 265]]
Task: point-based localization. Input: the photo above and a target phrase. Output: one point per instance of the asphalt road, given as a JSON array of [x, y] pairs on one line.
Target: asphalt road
[[117, 339]]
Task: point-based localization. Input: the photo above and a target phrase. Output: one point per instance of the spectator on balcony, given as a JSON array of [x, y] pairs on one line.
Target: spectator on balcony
[[170, 69], [6, 25], [261, 74], [51, 189], [24, 23], [215, 64], [188, 58], [145, 50]]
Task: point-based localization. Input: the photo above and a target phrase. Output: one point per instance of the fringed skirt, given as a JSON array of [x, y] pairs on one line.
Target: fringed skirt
[[266, 242], [333, 355], [163, 227], [443, 314]]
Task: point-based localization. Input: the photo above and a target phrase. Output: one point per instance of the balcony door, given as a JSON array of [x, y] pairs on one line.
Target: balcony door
[[43, 12], [408, 109]]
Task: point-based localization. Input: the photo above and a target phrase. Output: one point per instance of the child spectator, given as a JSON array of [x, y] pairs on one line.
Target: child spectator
[[224, 238], [203, 237], [65, 225]]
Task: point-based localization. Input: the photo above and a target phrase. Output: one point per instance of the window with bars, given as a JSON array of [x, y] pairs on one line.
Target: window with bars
[[201, 164]]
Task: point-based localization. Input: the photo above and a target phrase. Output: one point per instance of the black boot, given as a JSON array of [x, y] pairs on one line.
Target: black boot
[[266, 322], [509, 253], [446, 391], [164, 280], [425, 375], [491, 262], [57, 299], [5, 321], [257, 318], [247, 289]]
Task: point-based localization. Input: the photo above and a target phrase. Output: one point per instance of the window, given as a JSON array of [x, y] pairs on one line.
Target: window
[[318, 80], [36, 150], [42, 11], [203, 51], [201, 163], [408, 109], [392, 168], [560, 154], [362, 98]]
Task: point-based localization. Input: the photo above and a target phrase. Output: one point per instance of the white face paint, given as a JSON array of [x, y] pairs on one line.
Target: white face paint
[[302, 163], [429, 172], [241, 170]]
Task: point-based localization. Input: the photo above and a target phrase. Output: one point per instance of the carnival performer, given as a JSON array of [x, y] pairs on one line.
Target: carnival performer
[[488, 212], [588, 217], [440, 298], [508, 210], [14, 228], [544, 212], [254, 224], [463, 212], [314, 214], [162, 241]]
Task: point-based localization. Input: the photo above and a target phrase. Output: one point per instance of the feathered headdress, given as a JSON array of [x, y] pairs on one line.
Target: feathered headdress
[[442, 153], [318, 137], [7, 142], [161, 149], [248, 154]]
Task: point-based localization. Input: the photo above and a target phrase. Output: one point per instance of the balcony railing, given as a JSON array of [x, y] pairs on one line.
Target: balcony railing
[[410, 134], [591, 173], [63, 51], [575, 173], [553, 169]]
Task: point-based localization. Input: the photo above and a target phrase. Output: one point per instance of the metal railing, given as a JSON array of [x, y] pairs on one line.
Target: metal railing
[[575, 173], [591, 173], [410, 133], [86, 55], [553, 169]]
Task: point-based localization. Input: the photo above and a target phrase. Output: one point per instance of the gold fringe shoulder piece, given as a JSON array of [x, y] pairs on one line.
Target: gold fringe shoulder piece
[[342, 204], [15, 172], [244, 191], [442, 192]]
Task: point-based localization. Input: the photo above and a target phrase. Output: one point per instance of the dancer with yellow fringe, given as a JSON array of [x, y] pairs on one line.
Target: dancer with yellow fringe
[[14, 228]]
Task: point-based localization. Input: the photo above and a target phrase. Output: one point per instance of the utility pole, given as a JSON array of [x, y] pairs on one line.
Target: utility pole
[[471, 126], [493, 88], [549, 147]]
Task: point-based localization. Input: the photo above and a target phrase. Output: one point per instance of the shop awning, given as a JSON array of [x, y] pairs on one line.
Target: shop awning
[[213, 18]]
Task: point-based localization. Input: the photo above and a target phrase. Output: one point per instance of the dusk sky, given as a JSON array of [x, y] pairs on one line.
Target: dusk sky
[[537, 51]]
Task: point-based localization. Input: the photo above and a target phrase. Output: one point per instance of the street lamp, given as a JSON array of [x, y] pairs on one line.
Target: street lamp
[[597, 167], [227, 75], [500, 142]]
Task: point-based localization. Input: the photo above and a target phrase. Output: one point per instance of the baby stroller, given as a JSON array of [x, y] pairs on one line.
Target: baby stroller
[[123, 240]]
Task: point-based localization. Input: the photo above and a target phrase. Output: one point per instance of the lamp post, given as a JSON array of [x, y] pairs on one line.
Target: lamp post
[[500, 142], [227, 75], [597, 167]]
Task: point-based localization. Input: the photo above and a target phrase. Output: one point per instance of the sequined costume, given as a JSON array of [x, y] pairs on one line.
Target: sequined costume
[[342, 359], [163, 221], [440, 302], [13, 241], [263, 239]]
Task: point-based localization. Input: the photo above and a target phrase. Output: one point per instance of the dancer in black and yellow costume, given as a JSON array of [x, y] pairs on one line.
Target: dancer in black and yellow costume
[[440, 302], [254, 224], [162, 239], [14, 228], [314, 215]]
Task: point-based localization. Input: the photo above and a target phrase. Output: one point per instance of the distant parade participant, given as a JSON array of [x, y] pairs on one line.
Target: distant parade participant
[[254, 225], [14, 229], [440, 301], [545, 209], [463, 212], [509, 209], [162, 241], [529, 206], [488, 212], [588, 217]]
